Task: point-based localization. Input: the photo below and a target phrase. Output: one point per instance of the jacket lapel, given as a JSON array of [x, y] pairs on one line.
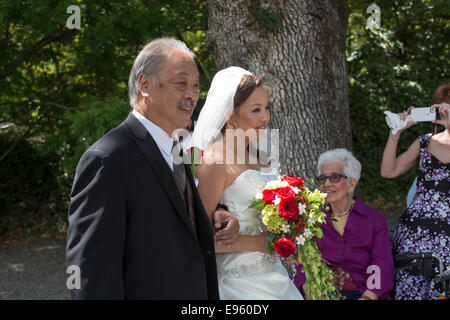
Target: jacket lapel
[[206, 237], [150, 150]]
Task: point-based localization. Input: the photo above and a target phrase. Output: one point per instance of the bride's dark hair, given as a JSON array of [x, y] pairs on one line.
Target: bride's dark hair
[[244, 90], [246, 87]]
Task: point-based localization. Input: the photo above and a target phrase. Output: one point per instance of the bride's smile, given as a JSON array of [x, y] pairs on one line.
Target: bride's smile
[[254, 113]]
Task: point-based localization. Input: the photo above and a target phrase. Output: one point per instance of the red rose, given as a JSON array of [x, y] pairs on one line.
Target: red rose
[[286, 193], [268, 196], [288, 209], [284, 247], [293, 181]]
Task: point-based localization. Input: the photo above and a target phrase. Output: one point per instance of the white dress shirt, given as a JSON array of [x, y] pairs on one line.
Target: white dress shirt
[[162, 139]]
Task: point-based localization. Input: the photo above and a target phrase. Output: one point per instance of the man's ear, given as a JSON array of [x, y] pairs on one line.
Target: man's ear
[[144, 85]]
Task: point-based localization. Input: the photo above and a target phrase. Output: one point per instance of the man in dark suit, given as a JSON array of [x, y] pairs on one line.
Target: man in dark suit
[[137, 227]]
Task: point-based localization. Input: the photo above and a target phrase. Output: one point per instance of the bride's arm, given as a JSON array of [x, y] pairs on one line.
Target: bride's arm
[[245, 243], [211, 184]]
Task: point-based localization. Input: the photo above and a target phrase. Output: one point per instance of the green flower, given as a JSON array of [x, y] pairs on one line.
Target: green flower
[[317, 197], [272, 220]]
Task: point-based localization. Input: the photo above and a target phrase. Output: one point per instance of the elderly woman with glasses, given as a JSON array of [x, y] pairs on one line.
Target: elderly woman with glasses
[[355, 240]]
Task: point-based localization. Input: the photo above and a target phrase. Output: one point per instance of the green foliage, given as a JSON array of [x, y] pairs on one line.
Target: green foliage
[[391, 69], [89, 126], [258, 204], [25, 175], [319, 277], [66, 88], [268, 18], [27, 179]]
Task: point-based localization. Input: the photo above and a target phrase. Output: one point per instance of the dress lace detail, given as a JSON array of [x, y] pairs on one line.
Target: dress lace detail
[[251, 275], [263, 265]]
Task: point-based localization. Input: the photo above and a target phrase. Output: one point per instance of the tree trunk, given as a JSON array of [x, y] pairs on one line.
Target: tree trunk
[[302, 58]]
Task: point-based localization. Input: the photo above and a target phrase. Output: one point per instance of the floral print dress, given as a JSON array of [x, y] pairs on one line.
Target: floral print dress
[[425, 226]]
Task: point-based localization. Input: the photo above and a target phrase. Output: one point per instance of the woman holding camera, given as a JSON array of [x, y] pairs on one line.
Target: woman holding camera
[[425, 226]]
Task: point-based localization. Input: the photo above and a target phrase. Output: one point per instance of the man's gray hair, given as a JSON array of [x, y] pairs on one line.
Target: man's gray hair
[[352, 168], [150, 61]]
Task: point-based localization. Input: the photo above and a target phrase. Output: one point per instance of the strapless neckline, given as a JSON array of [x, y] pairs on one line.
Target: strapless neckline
[[249, 170]]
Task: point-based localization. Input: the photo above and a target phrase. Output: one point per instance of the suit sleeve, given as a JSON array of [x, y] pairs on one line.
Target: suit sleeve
[[96, 235]]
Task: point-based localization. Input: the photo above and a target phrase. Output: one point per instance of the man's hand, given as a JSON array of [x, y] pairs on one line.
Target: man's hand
[[226, 227]]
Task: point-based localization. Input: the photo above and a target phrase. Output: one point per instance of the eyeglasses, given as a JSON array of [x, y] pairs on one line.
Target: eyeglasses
[[334, 178]]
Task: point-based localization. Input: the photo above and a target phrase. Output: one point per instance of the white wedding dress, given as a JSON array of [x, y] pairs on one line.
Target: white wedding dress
[[251, 275]]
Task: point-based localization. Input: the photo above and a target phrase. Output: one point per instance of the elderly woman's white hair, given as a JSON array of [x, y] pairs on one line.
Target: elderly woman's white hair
[[352, 168]]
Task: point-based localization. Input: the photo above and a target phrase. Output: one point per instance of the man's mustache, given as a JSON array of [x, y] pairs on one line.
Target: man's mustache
[[187, 103]]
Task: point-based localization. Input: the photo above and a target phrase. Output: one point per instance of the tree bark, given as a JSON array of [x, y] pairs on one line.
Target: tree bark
[[302, 59]]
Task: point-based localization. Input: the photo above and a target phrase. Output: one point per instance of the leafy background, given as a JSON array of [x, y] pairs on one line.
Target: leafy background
[[61, 89]]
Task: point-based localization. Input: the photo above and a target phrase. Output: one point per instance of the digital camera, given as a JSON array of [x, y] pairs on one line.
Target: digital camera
[[422, 114]]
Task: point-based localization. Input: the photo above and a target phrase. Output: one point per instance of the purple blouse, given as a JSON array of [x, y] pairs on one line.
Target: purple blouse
[[364, 251]]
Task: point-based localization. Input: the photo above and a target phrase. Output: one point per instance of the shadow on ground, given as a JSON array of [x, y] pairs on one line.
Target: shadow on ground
[[35, 269]]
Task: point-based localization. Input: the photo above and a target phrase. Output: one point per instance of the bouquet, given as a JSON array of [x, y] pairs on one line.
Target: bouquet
[[293, 215]]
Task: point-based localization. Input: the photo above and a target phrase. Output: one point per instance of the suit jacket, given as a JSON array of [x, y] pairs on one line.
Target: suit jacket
[[129, 231]]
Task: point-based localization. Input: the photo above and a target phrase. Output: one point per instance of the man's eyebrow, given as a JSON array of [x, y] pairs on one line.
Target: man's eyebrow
[[185, 74]]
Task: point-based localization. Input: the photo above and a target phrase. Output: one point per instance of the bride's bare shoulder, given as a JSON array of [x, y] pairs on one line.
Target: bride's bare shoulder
[[217, 173]]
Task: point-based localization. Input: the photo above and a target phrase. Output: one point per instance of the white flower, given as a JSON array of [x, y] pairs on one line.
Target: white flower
[[300, 240], [295, 189], [285, 228], [301, 208], [276, 184], [277, 200], [311, 221], [259, 196], [307, 232]]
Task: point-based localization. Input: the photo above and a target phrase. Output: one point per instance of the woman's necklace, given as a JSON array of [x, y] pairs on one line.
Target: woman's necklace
[[340, 215]]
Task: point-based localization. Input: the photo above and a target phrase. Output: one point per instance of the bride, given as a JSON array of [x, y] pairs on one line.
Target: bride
[[238, 100]]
